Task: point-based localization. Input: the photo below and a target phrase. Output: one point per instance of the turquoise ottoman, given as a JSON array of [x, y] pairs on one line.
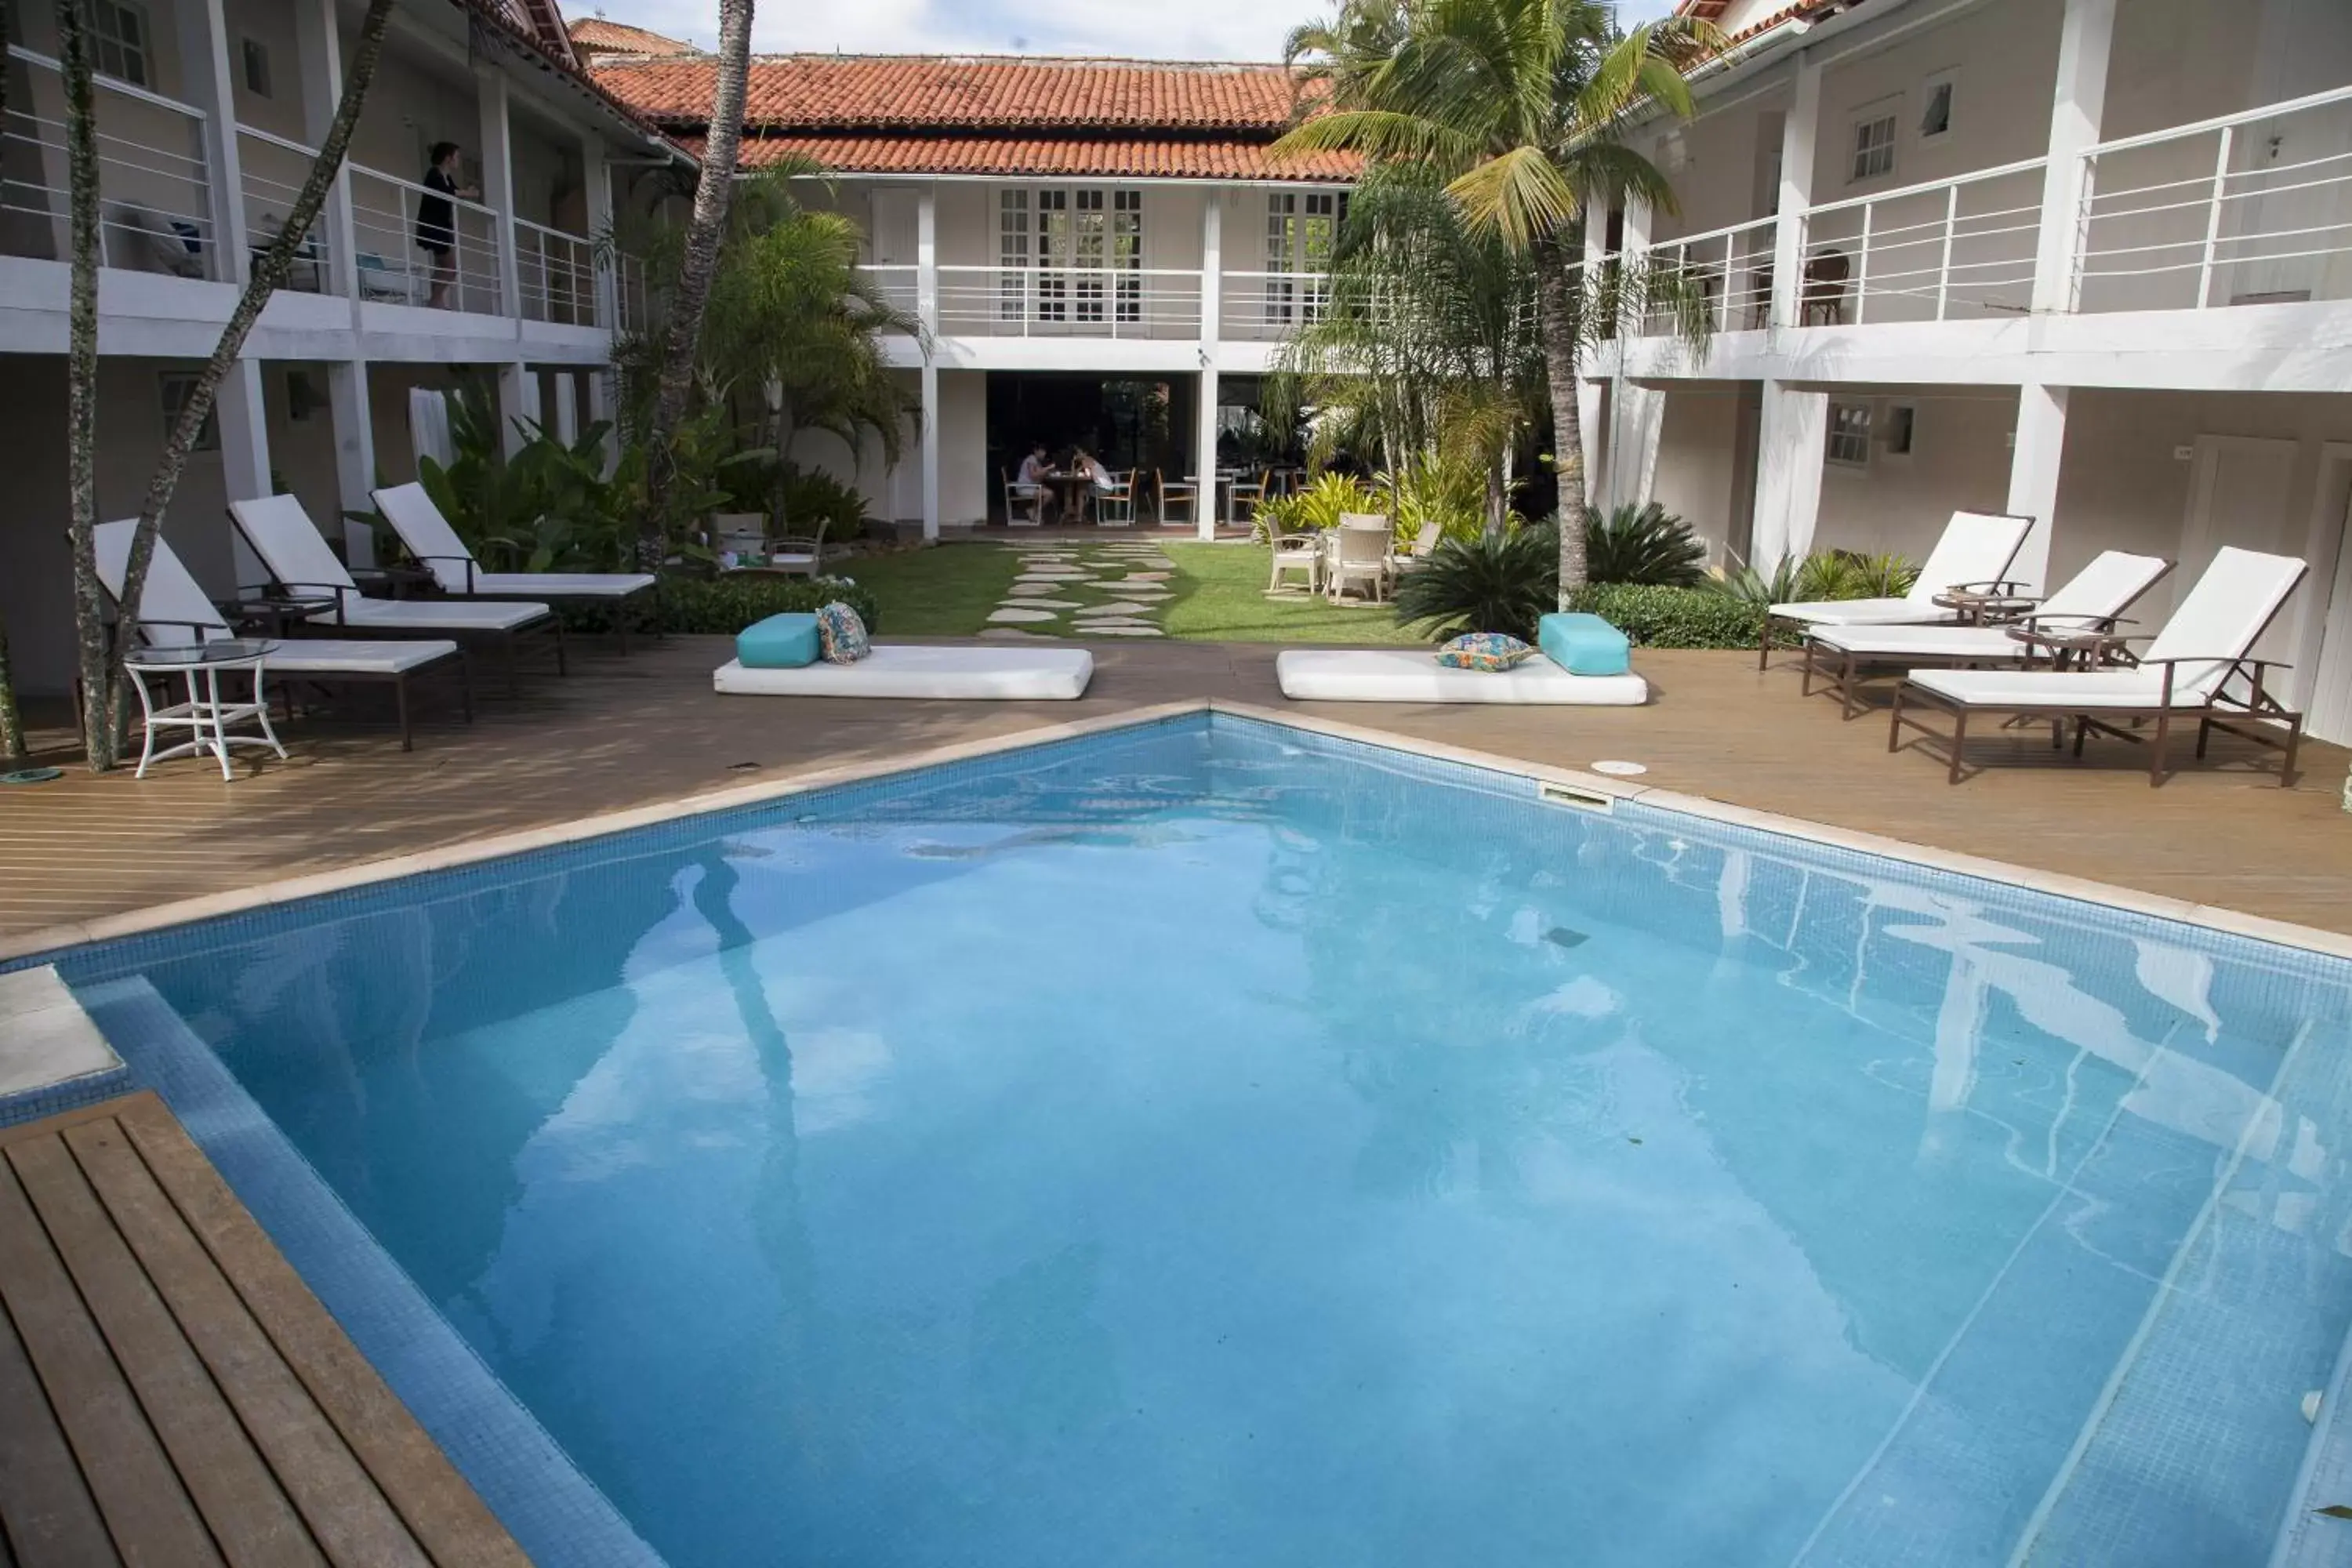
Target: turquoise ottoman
[[780, 642], [1584, 645]]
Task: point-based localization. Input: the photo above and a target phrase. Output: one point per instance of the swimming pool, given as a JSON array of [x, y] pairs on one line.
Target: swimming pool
[[1211, 1142]]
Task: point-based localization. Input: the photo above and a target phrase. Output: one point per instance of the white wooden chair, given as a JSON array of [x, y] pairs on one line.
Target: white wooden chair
[[1359, 553], [1301, 553]]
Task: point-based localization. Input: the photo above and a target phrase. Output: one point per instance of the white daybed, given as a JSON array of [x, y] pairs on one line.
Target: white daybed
[[925, 670], [1412, 675]]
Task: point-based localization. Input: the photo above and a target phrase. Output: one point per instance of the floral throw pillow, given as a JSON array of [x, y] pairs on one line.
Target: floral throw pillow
[[1491, 651], [842, 635]]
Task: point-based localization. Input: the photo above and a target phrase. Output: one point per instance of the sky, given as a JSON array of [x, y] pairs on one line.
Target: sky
[[1191, 30]]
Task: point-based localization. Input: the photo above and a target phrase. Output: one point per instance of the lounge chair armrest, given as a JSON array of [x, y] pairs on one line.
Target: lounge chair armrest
[[2247, 660], [2001, 587]]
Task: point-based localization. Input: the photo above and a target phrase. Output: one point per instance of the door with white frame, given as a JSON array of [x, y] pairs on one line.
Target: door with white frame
[[2241, 492], [2326, 649], [1071, 258], [1302, 230]]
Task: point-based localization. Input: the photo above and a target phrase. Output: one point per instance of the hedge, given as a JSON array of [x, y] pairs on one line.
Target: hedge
[[725, 605], [1657, 616]]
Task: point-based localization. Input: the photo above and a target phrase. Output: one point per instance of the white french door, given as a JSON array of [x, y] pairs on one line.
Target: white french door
[[1073, 257], [1302, 230]]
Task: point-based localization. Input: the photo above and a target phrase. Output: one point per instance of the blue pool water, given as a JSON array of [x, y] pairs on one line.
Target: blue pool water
[[1206, 1144]]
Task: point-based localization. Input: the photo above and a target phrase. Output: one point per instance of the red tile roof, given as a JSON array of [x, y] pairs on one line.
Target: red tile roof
[[810, 92], [1217, 158], [992, 114], [594, 35]]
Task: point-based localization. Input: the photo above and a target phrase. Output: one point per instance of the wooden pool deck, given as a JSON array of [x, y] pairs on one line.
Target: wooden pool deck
[[628, 732], [171, 1392]]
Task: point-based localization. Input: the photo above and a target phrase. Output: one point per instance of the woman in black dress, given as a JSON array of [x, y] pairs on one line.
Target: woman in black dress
[[437, 220]]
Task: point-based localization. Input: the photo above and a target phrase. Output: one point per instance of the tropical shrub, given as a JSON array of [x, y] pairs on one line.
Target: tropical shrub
[[1451, 492], [723, 605], [1320, 505], [1658, 616], [1642, 544], [1502, 582], [810, 497], [1826, 574]]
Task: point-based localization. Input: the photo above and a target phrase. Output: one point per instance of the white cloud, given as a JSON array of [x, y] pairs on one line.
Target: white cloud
[[1201, 29]]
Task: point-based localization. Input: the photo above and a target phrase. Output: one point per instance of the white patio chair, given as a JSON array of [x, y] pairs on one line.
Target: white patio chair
[[173, 611], [1301, 552], [1974, 554], [1018, 495], [299, 561], [1245, 491], [428, 538], [1359, 553], [2198, 668], [1114, 503], [2090, 602], [1185, 493]]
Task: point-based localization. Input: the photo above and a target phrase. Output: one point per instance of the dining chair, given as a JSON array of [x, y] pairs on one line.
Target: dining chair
[[1115, 504], [1359, 553], [1018, 494], [1183, 494], [1242, 489]]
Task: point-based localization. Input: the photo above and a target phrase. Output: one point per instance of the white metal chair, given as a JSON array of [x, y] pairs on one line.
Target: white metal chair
[[1298, 553], [1184, 493], [1114, 503], [1359, 553], [1244, 489], [1017, 495]]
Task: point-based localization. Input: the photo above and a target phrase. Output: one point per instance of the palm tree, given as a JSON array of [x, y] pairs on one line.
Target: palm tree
[[1521, 106], [104, 683], [700, 259]]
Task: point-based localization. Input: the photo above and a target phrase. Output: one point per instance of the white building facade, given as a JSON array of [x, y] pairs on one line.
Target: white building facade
[[2088, 261], [207, 111]]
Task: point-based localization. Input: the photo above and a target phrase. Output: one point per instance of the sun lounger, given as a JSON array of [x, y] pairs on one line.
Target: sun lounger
[[173, 611], [2092, 601], [926, 670], [428, 536], [2197, 667], [1409, 675], [1973, 554], [300, 563]]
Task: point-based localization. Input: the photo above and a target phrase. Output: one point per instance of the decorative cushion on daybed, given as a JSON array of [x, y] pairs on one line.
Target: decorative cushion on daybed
[[1489, 651], [1584, 645], [786, 641], [1408, 675], [843, 633], [899, 669]]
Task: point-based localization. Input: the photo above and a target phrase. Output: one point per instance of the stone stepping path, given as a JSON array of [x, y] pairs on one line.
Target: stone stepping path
[[1118, 588]]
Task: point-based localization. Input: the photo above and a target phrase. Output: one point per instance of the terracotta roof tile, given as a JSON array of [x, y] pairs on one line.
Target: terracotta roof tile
[[1045, 157], [872, 92], [595, 35]]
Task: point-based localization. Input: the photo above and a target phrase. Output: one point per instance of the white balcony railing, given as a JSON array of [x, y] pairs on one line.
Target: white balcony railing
[[272, 171], [1731, 267], [1940, 252], [1268, 307], [1105, 302], [395, 267], [556, 276], [2248, 208], [155, 199]]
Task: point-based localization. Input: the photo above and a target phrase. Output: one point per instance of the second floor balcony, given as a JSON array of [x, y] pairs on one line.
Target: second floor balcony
[[1120, 303]]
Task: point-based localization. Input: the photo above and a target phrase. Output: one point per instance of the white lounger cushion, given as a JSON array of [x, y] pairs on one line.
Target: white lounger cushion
[[1404, 675], [410, 510], [2105, 589], [902, 669], [333, 656], [2049, 688], [1977, 547], [432, 615], [296, 553]]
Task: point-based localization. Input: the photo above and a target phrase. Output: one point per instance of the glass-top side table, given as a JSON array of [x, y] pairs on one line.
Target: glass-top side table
[[206, 714]]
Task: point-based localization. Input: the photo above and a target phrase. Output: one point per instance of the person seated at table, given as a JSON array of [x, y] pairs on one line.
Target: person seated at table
[[1099, 478], [1029, 481]]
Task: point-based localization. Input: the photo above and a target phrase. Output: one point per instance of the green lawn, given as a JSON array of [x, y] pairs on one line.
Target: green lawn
[[1221, 597], [943, 592], [1217, 593]]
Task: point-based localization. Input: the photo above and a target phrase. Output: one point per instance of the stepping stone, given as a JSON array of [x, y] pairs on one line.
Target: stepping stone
[[1028, 603], [1120, 607], [1148, 576], [1129, 631], [1013, 613]]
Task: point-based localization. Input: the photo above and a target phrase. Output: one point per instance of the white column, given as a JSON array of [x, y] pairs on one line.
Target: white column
[[1800, 134], [517, 406], [207, 83], [320, 55], [237, 413], [1592, 445], [1789, 450], [1641, 416], [2034, 469], [2076, 108], [598, 185], [497, 182], [1204, 440], [567, 408], [600, 412], [354, 424], [927, 306]]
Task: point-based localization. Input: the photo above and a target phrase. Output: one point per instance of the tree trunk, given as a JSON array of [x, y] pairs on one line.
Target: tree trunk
[[780, 436], [1556, 320], [704, 233], [269, 270], [99, 737]]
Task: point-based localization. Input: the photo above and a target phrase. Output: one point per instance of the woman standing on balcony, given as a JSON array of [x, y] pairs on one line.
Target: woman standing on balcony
[[436, 219]]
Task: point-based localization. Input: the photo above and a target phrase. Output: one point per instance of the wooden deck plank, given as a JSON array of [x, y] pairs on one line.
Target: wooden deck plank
[[147, 1510], [48, 1518], [441, 1510], [249, 1517], [347, 1515]]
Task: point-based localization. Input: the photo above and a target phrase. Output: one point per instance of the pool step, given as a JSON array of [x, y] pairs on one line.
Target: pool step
[[52, 1056]]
